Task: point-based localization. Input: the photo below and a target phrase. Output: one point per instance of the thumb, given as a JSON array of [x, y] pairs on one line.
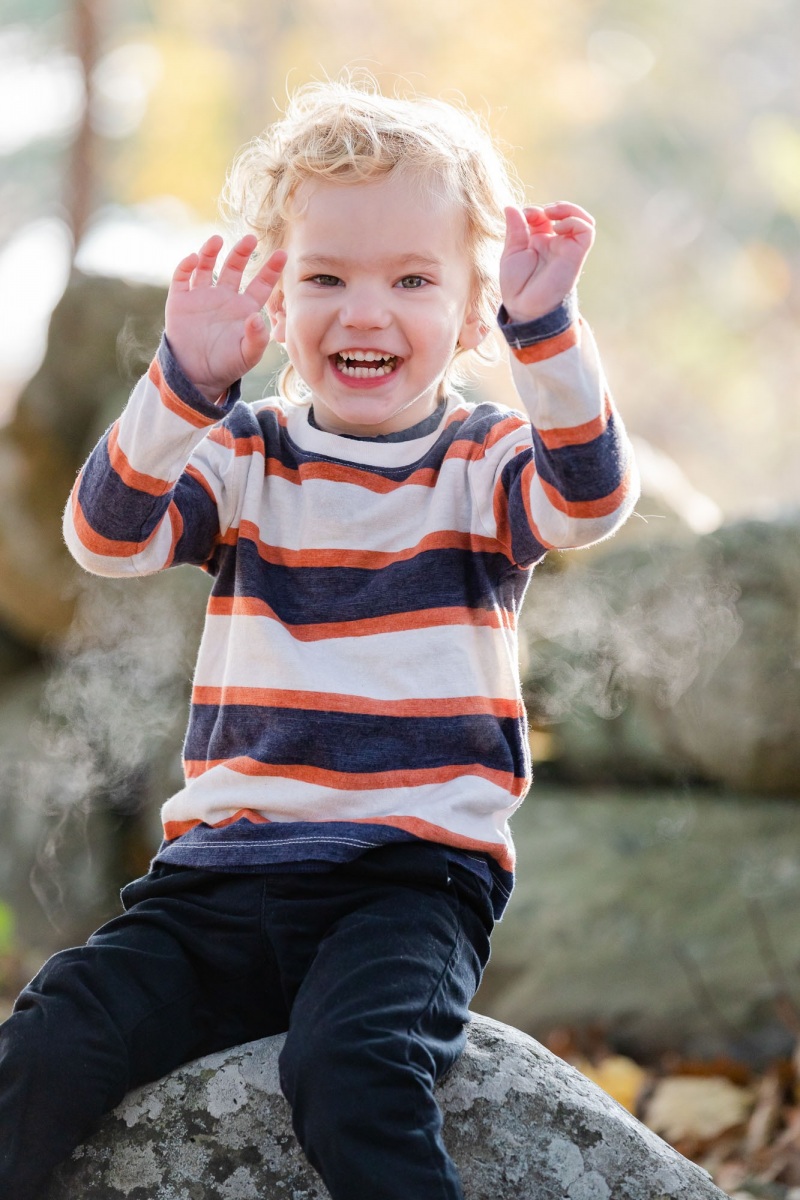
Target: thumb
[[516, 231], [254, 340]]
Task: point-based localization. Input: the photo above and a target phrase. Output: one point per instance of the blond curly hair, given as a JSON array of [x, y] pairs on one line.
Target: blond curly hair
[[347, 131]]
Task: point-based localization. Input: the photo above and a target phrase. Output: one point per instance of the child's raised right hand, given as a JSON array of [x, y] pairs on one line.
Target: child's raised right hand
[[215, 330]]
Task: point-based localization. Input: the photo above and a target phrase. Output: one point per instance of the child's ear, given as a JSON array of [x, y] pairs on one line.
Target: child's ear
[[473, 331], [276, 311]]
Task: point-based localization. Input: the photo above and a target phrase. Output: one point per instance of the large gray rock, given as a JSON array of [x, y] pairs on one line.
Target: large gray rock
[[666, 916], [520, 1124], [101, 335], [673, 660]]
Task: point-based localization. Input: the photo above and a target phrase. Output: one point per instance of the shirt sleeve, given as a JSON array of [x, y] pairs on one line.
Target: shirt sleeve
[[154, 491], [571, 479]]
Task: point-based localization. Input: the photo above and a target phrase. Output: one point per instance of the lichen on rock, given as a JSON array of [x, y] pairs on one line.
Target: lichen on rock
[[519, 1123]]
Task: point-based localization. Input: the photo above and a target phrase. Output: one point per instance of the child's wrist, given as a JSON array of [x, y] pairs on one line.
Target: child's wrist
[[203, 398], [517, 316], [529, 331]]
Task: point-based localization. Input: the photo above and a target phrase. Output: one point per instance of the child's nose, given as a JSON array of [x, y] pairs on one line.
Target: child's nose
[[363, 308]]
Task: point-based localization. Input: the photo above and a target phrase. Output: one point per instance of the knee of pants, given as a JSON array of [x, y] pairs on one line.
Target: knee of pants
[[60, 1013]]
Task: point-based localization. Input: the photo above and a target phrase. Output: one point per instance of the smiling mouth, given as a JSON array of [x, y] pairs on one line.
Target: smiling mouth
[[365, 364]]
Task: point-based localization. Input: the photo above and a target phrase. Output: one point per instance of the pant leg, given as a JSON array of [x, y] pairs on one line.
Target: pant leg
[[379, 1017], [146, 993]]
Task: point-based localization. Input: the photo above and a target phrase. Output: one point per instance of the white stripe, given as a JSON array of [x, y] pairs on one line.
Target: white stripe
[[558, 529], [457, 660], [155, 440], [566, 390], [471, 806], [151, 559], [327, 515]]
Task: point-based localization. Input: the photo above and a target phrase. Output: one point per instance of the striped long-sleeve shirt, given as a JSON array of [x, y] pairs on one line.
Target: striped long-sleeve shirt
[[357, 677]]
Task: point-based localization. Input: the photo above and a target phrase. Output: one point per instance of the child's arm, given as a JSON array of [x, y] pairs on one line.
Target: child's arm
[[157, 488], [577, 481]]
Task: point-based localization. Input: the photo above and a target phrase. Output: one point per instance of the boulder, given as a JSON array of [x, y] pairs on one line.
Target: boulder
[[672, 661], [665, 918], [520, 1124], [101, 335]]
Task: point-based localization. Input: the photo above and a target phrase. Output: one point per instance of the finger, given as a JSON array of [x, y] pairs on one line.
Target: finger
[[254, 340], [234, 266], [182, 275], [563, 208], [261, 285], [574, 228], [516, 231], [206, 261], [537, 219]]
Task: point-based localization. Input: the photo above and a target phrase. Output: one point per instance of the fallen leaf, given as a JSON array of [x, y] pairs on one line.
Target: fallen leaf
[[684, 1108], [620, 1077]]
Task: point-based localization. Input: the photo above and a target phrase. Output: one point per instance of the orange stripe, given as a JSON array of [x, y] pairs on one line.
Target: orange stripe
[[174, 403], [526, 483], [577, 435], [347, 781], [426, 618], [133, 478], [194, 473], [242, 447], [500, 508], [447, 706], [458, 414], [96, 543], [370, 560], [548, 348], [587, 509], [349, 474], [502, 429], [176, 521], [173, 829]]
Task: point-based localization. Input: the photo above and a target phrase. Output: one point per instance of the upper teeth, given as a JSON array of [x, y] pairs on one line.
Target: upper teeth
[[365, 364], [365, 355]]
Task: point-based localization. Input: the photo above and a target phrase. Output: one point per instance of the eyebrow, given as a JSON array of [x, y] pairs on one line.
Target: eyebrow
[[419, 262]]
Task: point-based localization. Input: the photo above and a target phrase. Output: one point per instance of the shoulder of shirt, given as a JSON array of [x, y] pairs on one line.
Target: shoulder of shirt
[[249, 416], [483, 413]]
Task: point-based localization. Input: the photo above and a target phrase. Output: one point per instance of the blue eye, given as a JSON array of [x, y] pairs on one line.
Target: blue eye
[[412, 282], [326, 280]]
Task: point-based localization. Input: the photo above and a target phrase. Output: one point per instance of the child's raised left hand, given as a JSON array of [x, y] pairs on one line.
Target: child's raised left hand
[[544, 252]]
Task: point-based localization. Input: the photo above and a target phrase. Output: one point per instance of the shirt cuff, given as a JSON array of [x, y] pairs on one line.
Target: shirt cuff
[[520, 334], [185, 390]]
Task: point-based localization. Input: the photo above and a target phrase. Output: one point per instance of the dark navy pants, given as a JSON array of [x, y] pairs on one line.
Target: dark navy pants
[[370, 967]]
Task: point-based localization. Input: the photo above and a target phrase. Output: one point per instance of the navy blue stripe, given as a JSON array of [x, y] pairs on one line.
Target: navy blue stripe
[[354, 742], [185, 390], [526, 549], [200, 522], [312, 847], [248, 845], [318, 595], [528, 333], [122, 513], [586, 472]]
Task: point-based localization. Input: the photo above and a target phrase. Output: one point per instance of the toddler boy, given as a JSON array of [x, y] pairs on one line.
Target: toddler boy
[[357, 740]]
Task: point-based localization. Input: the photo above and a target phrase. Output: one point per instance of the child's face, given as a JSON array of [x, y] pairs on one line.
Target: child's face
[[376, 294]]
